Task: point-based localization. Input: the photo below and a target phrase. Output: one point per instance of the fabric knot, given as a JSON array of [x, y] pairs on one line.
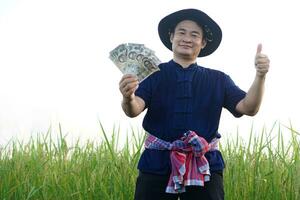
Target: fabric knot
[[189, 165]]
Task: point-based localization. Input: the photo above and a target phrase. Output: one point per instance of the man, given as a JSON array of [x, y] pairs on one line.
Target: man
[[183, 99]]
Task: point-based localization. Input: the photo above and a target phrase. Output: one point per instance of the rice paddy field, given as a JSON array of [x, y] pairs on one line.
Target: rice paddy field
[[265, 167]]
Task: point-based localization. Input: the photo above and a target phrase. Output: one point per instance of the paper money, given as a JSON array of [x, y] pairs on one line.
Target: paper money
[[132, 58]]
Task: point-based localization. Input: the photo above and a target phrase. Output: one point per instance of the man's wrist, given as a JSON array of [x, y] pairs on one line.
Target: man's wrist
[[260, 76], [127, 100]]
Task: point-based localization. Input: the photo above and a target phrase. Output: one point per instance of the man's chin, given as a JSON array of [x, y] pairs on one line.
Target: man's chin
[[185, 54]]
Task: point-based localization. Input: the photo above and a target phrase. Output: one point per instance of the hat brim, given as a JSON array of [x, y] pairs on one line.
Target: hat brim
[[212, 31]]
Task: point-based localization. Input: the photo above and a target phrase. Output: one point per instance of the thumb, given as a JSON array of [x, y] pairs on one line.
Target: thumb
[[259, 48]]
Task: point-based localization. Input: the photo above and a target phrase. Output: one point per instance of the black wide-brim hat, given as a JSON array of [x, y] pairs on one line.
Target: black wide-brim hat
[[212, 31]]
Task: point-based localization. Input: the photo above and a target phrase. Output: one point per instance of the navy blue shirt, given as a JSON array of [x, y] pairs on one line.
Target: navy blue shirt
[[179, 99]]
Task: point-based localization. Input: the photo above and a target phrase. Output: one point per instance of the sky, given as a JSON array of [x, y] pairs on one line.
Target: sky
[[54, 65]]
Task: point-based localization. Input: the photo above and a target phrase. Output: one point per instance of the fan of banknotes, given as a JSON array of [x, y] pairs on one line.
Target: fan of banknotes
[[135, 59]]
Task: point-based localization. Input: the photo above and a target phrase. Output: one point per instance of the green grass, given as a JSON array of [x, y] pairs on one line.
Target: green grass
[[265, 167]]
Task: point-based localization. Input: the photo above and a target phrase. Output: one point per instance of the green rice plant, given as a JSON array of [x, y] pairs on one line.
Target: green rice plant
[[266, 166], [44, 169]]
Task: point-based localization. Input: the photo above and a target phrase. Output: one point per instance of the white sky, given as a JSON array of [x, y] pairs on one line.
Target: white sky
[[54, 64]]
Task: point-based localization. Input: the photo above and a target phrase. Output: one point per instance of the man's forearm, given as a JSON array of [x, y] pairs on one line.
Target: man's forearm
[[251, 103], [133, 107]]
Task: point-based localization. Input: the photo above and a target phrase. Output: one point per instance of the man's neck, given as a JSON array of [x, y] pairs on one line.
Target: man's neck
[[184, 62]]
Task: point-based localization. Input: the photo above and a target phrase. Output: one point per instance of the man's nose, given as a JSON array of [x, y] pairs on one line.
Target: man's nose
[[187, 38]]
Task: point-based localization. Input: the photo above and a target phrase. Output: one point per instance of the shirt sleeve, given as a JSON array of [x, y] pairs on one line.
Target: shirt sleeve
[[146, 87], [144, 91], [233, 95]]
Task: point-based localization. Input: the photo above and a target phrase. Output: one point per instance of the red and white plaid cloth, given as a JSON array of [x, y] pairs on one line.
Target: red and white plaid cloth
[[189, 165]]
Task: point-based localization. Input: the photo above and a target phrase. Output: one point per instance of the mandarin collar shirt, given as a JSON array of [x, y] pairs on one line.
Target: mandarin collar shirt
[[179, 99]]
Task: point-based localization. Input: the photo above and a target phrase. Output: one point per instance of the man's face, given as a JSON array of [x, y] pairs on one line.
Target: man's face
[[187, 40]]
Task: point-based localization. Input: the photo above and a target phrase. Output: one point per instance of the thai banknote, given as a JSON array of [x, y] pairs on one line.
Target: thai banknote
[[132, 58]]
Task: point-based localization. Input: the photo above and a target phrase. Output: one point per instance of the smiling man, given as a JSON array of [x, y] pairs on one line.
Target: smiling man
[[187, 41], [184, 101]]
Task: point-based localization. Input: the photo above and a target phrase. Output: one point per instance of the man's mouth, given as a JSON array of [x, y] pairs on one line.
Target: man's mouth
[[186, 46]]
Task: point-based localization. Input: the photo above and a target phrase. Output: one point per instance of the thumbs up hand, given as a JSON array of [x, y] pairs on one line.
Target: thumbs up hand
[[262, 62]]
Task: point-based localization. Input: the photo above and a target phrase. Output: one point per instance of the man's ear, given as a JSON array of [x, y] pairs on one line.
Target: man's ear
[[171, 37]]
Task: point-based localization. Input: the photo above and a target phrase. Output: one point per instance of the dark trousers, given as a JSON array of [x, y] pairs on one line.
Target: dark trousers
[[152, 187]]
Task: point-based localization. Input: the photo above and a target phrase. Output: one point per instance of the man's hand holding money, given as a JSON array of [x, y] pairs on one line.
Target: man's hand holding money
[[128, 85]]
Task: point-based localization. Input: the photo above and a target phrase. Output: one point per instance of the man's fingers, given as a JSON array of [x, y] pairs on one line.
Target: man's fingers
[[129, 92], [128, 86], [262, 65], [129, 77], [259, 48], [262, 62], [128, 83]]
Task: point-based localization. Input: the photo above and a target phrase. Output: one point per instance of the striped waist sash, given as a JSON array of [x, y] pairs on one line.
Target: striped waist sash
[[189, 165]]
